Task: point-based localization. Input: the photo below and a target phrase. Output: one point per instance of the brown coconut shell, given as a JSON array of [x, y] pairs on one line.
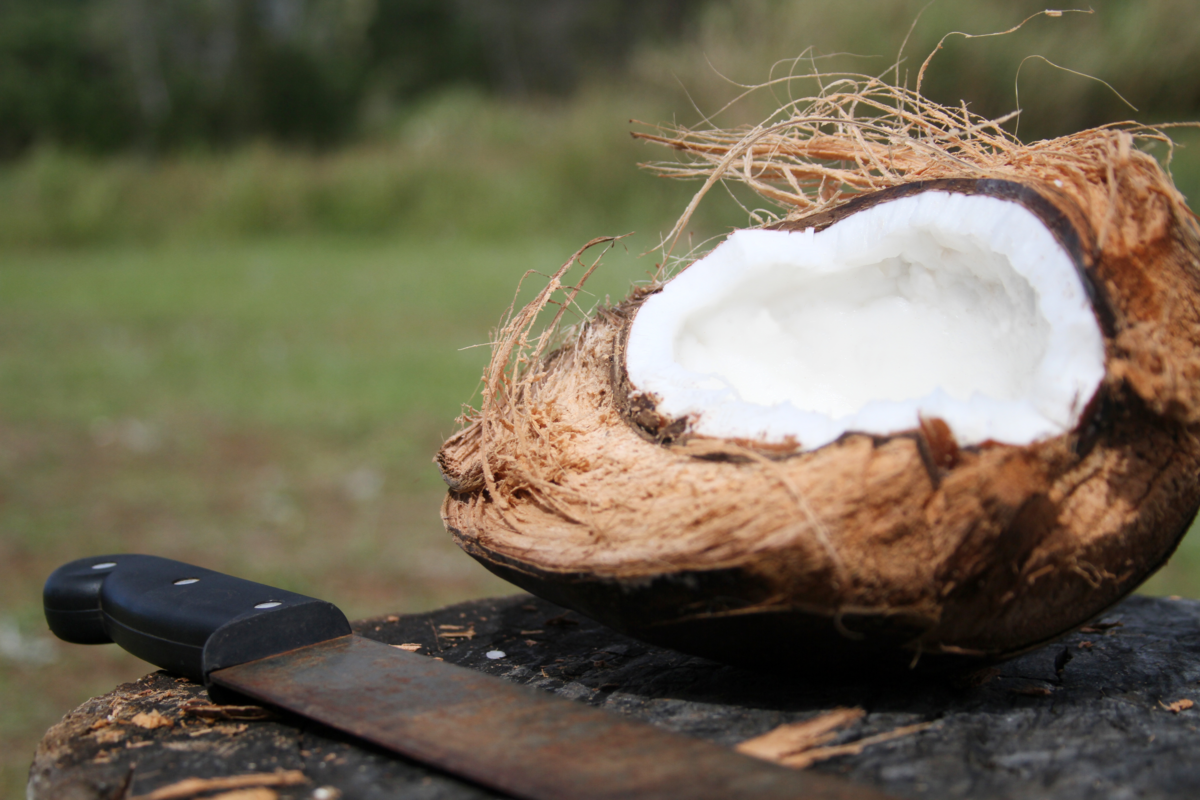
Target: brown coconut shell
[[873, 550]]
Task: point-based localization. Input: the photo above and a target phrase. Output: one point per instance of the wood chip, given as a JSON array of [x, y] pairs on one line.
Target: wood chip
[[224, 730], [796, 737], [450, 627], [109, 735], [798, 745], [1098, 627], [247, 794], [190, 787], [151, 720], [809, 757], [391, 618], [469, 633], [1178, 705], [1085, 645], [411, 647], [210, 711]]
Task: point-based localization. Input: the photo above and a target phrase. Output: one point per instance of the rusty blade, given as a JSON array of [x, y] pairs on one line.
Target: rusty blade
[[519, 740]]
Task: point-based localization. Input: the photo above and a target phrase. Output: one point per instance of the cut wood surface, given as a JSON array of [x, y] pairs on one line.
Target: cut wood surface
[[1107, 711]]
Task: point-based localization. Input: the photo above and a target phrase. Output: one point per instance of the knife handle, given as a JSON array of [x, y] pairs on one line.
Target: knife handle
[[184, 619]]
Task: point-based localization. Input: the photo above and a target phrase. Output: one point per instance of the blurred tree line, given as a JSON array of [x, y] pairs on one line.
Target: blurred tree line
[[106, 75], [101, 76]]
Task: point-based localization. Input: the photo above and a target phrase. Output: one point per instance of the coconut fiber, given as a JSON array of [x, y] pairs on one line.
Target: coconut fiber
[[875, 550]]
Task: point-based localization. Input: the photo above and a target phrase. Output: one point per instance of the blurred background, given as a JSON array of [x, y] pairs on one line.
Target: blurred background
[[249, 250]]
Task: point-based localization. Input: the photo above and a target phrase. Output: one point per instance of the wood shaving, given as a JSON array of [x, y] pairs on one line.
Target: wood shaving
[[151, 720], [809, 757], [469, 633], [226, 730], [109, 735], [1177, 706], [247, 794], [796, 737], [209, 711], [190, 787], [798, 745], [411, 647]]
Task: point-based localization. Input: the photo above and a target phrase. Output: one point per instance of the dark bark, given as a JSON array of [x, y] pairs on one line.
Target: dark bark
[[1092, 723]]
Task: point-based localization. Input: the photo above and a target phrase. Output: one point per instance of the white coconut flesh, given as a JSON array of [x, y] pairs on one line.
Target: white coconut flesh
[[960, 307]]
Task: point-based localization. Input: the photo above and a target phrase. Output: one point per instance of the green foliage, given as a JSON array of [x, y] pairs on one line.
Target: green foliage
[[55, 83], [108, 75], [463, 164]]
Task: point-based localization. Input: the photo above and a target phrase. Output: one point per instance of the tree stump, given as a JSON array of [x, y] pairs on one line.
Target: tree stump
[[1105, 712]]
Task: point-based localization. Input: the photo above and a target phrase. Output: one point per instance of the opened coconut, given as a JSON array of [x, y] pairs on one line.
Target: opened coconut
[[943, 410]]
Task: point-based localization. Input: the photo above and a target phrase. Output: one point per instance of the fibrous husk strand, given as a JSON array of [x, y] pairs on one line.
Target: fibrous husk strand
[[512, 422], [861, 134]]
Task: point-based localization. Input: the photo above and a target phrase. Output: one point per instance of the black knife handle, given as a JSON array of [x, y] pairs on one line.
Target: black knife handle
[[185, 619]]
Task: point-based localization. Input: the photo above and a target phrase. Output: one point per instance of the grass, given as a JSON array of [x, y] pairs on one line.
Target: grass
[[269, 408]]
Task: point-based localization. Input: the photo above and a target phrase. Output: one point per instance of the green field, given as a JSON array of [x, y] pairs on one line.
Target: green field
[[249, 358], [269, 408]]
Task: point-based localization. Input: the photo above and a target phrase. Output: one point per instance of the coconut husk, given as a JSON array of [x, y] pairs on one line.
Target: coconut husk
[[874, 549]]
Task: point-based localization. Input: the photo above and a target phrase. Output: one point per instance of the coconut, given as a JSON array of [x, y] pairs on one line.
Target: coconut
[[942, 411]]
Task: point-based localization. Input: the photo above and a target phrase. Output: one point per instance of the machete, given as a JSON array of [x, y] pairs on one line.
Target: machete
[[299, 654]]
